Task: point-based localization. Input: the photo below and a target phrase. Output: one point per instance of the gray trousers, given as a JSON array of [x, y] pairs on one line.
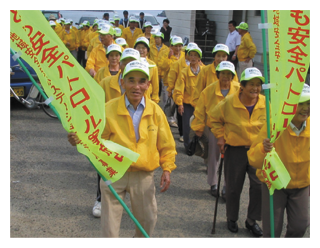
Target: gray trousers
[[296, 204], [213, 157], [187, 113], [236, 166]]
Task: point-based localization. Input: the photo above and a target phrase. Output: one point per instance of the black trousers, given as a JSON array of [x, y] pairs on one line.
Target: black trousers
[[235, 62], [179, 118], [81, 58]]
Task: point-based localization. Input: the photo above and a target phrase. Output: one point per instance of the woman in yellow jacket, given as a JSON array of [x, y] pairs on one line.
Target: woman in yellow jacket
[[131, 33], [142, 45], [293, 148], [208, 75], [90, 37], [184, 89], [147, 33], [236, 122], [70, 39], [98, 57], [113, 55], [209, 98]]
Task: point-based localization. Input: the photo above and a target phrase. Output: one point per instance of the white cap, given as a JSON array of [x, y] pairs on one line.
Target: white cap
[[250, 73], [191, 45], [226, 65], [136, 66], [142, 39], [52, 23], [221, 47], [121, 42], [130, 53], [106, 29], [118, 32], [305, 93], [147, 24], [114, 47], [176, 40]]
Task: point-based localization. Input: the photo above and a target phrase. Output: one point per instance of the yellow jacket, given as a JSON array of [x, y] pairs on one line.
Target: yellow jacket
[[154, 55], [165, 63], [208, 99], [129, 37], [247, 48], [97, 59], [111, 87], [95, 41], [83, 43], [293, 150], [230, 119], [184, 86], [71, 38], [103, 73], [174, 72], [207, 76], [156, 145], [153, 90]]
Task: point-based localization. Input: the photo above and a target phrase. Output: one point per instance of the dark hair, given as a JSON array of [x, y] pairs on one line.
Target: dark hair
[[107, 55], [244, 82], [218, 74], [141, 13], [106, 14], [233, 23], [141, 42], [125, 12], [166, 20], [214, 54]]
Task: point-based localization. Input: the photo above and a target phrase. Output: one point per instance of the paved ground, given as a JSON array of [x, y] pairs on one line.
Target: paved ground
[[53, 188]]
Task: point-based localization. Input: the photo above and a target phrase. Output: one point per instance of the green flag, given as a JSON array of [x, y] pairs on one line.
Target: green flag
[[289, 59], [75, 95]]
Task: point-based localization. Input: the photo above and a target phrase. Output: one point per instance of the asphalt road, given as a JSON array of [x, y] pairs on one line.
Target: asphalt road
[[53, 189]]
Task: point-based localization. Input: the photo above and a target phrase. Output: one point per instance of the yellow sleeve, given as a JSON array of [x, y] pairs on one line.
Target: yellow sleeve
[[172, 75], [256, 152], [200, 85], [155, 85], [251, 47], [165, 143], [91, 60], [216, 119], [199, 121], [178, 91]]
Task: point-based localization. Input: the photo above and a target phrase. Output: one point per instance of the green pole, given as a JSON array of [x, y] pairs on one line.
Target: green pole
[[103, 178], [35, 84], [265, 65]]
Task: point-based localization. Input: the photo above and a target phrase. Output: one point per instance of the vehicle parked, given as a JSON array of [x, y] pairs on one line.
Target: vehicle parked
[[19, 81], [149, 18], [47, 13]]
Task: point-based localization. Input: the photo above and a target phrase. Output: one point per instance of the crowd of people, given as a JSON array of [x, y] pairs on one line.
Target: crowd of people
[[142, 73]]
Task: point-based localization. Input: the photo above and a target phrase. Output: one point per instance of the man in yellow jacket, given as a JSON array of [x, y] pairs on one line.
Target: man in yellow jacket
[[131, 33], [98, 57], [139, 124], [70, 38], [247, 48], [293, 148], [83, 47]]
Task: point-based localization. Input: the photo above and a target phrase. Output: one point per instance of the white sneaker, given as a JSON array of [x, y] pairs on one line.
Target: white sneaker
[[96, 211], [181, 139], [173, 124]]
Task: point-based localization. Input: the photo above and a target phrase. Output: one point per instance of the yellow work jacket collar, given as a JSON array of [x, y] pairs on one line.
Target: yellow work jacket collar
[[232, 89], [190, 73], [213, 68], [238, 104], [122, 110], [304, 133]]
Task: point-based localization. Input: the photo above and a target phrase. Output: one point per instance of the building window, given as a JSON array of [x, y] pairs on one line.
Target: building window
[[257, 13]]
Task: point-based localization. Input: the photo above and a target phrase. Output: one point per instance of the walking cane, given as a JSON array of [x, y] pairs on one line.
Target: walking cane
[[217, 198]]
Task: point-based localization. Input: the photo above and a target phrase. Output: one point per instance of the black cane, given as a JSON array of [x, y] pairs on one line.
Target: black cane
[[217, 198]]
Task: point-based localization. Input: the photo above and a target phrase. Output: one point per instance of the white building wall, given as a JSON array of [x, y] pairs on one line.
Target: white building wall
[[182, 23]]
